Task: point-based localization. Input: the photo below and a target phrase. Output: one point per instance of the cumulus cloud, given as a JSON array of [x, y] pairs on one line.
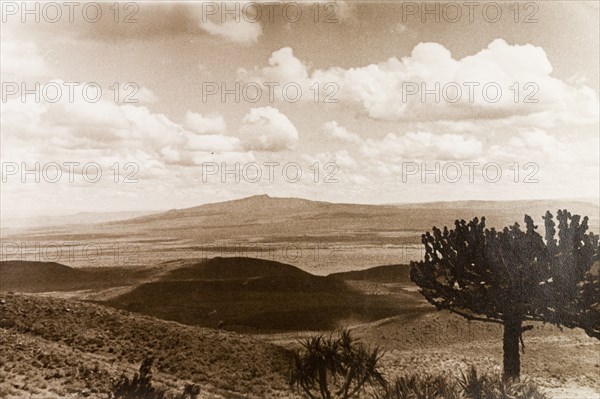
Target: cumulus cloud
[[467, 88], [146, 96], [332, 129], [234, 27], [205, 124], [236, 31], [423, 145], [341, 158], [267, 129], [411, 145], [105, 129], [537, 145], [21, 59]]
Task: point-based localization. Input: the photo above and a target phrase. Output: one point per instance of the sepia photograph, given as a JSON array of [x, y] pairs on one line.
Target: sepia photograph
[[312, 199]]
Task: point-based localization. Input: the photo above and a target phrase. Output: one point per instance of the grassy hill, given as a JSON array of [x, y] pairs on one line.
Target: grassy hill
[[64, 348], [27, 276], [33, 276], [234, 268], [384, 274], [255, 295]]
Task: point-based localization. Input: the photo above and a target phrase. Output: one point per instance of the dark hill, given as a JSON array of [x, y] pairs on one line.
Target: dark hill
[[28, 276], [381, 274], [234, 268], [37, 276], [255, 295]]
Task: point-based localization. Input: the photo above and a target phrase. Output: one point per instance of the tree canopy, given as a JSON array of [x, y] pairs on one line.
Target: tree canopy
[[516, 274]]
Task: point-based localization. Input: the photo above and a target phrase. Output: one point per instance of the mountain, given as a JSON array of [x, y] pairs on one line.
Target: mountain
[[319, 237], [12, 222], [269, 216]]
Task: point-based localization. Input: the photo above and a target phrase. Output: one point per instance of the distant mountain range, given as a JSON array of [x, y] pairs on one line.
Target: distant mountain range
[[13, 222], [260, 210], [290, 230]]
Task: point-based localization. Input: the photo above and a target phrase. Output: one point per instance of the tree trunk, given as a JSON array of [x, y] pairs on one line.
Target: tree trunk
[[512, 362]]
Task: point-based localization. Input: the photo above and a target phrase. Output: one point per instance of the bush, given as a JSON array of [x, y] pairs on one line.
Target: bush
[[338, 367], [140, 386], [493, 387], [469, 386]]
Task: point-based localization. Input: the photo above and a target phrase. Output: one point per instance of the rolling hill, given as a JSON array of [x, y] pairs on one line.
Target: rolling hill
[[255, 295], [29, 276], [398, 274]]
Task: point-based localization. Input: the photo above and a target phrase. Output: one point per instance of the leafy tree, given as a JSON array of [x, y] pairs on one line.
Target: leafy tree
[[512, 276], [339, 367], [140, 386]]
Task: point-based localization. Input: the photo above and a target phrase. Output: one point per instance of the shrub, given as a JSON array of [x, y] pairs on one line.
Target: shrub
[[338, 367], [140, 386], [469, 386], [493, 387]]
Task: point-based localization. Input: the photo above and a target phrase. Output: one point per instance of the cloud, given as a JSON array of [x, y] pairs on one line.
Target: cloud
[[267, 129], [423, 145], [205, 124], [106, 130], [341, 158], [149, 21], [285, 67], [332, 129], [235, 31], [21, 59], [146, 96], [429, 84], [215, 19], [398, 28]]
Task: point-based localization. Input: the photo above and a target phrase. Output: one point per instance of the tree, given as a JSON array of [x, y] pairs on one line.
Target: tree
[[513, 276], [339, 367]]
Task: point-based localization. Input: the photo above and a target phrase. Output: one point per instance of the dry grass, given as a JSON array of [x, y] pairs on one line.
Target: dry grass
[[53, 347]]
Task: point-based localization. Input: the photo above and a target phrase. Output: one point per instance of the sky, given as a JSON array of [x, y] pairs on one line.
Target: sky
[[134, 106]]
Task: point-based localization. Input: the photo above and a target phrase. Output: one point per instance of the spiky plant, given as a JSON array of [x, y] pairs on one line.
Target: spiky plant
[[335, 367]]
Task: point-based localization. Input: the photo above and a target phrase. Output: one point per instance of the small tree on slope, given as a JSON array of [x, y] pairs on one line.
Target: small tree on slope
[[512, 276]]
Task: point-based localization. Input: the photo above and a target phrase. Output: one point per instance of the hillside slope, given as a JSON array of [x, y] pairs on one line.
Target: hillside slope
[[64, 348]]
